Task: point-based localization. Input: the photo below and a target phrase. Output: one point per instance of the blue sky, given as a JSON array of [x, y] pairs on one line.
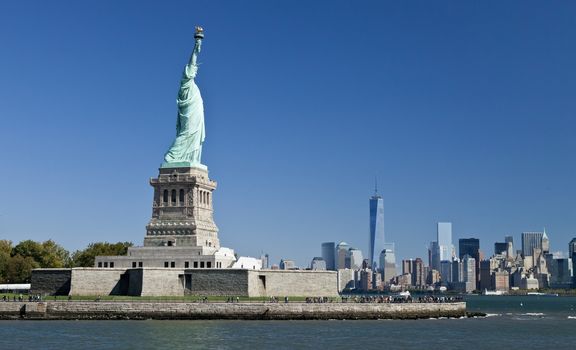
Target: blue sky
[[463, 110]]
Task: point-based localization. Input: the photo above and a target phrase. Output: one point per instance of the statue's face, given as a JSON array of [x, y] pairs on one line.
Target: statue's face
[[193, 70]]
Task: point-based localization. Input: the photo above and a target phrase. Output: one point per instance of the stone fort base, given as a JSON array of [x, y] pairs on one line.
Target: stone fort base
[[180, 282]]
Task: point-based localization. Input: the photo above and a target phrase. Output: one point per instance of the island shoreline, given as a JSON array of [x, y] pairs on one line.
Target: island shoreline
[[122, 310]]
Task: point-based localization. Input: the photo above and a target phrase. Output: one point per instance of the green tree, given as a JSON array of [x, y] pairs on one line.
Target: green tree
[[47, 254], [28, 248], [5, 256], [54, 255], [19, 269], [86, 257], [5, 246]]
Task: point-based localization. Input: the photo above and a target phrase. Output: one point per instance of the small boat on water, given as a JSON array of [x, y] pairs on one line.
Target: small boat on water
[[542, 294], [493, 292]]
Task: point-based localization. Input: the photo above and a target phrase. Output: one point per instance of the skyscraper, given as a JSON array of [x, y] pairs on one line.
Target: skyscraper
[[329, 255], [434, 256], [471, 247], [341, 252], [265, 261], [572, 247], [354, 259], [572, 254], [545, 243], [530, 241], [418, 278], [500, 248], [388, 262], [376, 228], [445, 241], [318, 263]]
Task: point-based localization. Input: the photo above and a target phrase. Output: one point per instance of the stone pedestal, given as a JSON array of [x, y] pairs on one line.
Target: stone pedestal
[[182, 212]]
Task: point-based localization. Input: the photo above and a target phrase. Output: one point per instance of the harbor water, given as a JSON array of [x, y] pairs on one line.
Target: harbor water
[[526, 322]]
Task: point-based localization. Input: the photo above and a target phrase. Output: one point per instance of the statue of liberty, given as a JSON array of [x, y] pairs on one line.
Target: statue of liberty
[[186, 150]]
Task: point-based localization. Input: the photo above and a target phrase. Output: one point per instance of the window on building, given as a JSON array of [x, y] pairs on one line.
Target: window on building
[[165, 263], [173, 197], [208, 264], [165, 197], [140, 264], [111, 264], [201, 264], [173, 264], [105, 264], [186, 264], [181, 197], [99, 263], [133, 264], [195, 264]]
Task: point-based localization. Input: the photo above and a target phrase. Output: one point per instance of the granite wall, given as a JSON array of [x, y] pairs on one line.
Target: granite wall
[[95, 281], [178, 282], [161, 282], [51, 281]]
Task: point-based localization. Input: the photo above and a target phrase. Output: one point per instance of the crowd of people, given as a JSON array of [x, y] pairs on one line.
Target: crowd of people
[[388, 299], [35, 297], [309, 300]]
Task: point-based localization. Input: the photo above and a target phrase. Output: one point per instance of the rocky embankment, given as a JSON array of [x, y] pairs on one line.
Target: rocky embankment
[[77, 310]]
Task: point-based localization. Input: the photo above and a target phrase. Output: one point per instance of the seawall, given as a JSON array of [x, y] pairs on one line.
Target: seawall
[[77, 310]]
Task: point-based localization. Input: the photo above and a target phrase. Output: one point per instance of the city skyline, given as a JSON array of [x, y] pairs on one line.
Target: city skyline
[[461, 121]]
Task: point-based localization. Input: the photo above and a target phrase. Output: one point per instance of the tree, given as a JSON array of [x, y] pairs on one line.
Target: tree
[[86, 257], [54, 255], [19, 269], [4, 259], [28, 248], [5, 246], [47, 254]]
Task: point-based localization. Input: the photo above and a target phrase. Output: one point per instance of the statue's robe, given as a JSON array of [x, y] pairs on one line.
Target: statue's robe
[[190, 131]]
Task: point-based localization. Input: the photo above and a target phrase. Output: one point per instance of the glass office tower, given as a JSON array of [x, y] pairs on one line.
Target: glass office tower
[[376, 229], [445, 241]]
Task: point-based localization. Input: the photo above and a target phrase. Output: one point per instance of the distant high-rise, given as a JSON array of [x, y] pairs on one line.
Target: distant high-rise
[[434, 256], [407, 266], [341, 252], [265, 261], [500, 248], [471, 247], [530, 241], [354, 259], [286, 264], [329, 255], [418, 276], [572, 254], [318, 263], [445, 241], [572, 247], [545, 243], [446, 272], [388, 262], [376, 228]]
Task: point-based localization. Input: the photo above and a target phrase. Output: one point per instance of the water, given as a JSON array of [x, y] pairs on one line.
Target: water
[[513, 322]]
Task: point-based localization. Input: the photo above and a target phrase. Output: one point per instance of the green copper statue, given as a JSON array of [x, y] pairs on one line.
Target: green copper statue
[[186, 150]]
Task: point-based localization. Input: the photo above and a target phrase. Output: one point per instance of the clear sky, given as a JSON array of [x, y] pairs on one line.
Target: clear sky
[[463, 110]]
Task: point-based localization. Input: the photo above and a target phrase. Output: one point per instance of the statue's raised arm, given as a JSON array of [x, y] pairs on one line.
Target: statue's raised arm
[[192, 66]]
